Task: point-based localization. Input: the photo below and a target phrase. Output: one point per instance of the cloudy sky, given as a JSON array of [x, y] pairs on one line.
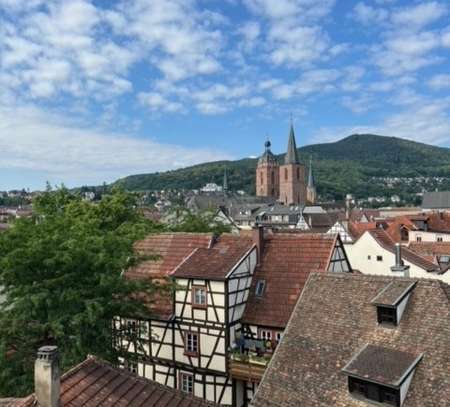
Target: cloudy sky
[[95, 90]]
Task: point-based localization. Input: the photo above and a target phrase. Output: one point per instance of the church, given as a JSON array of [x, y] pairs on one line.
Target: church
[[286, 182]]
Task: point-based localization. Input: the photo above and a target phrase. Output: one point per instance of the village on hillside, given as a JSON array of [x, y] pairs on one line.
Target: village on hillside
[[348, 306]]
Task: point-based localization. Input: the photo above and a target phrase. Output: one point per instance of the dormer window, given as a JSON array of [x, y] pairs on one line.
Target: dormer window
[[381, 374], [260, 286], [392, 300]]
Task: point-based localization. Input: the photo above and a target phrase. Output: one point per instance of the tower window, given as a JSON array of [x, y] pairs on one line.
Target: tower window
[[298, 173], [286, 175], [261, 177]]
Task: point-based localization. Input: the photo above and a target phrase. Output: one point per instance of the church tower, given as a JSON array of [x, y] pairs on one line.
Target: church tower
[[292, 175], [267, 174], [311, 194]]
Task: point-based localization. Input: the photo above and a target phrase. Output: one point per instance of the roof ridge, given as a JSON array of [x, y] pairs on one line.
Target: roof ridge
[[333, 275]]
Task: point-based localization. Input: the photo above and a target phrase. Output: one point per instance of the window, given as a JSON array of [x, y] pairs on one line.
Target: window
[[439, 239], [272, 175], [278, 336], [131, 328], [261, 177], [369, 257], [199, 297], [131, 367], [260, 285], [298, 173], [374, 392], [418, 238], [265, 335], [286, 176], [387, 315], [191, 343], [187, 383], [379, 258]]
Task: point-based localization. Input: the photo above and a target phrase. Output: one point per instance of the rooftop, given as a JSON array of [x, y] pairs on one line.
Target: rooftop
[[95, 382], [394, 292], [334, 319]]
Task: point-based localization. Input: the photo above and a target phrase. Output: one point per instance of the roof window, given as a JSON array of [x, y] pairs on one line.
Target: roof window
[[392, 300], [260, 286]]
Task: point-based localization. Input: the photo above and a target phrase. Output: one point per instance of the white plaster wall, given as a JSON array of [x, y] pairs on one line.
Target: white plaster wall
[[428, 236]]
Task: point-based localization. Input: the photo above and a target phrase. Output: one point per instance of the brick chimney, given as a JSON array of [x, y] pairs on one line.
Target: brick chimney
[[47, 377], [258, 240]]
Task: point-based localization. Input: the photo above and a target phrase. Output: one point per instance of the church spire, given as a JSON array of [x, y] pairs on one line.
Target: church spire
[[292, 154], [310, 175]]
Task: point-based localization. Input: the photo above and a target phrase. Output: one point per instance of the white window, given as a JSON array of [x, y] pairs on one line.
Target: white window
[[379, 258], [279, 335], [191, 343], [265, 335], [439, 239], [199, 296], [131, 367], [418, 238], [187, 383]]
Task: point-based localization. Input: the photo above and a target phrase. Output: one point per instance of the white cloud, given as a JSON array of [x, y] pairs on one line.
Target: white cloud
[[439, 82], [420, 15], [367, 15], [75, 154]]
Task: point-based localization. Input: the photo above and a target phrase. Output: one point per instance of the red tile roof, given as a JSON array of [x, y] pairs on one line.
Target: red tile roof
[[95, 382], [356, 229], [385, 241], [215, 262], [286, 263], [430, 248]]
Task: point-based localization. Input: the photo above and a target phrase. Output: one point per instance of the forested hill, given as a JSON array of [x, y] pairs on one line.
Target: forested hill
[[348, 165]]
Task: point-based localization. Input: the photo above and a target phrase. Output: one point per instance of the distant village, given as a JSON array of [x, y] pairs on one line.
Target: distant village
[[301, 303]]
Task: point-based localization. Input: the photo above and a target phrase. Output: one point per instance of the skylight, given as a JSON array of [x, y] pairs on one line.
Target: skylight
[[260, 285]]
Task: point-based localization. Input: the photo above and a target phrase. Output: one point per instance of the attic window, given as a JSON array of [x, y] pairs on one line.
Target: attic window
[[391, 301], [381, 374], [260, 285]]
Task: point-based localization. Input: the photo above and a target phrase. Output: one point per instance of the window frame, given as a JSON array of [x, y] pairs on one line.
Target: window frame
[[379, 257], [385, 317], [360, 388], [187, 351], [182, 376], [260, 283], [195, 304]]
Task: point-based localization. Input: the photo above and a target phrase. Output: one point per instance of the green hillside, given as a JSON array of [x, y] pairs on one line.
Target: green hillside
[[348, 165]]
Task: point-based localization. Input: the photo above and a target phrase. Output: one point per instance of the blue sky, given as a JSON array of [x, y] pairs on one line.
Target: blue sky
[[91, 91]]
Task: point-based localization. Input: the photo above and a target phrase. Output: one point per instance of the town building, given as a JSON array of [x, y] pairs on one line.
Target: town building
[[214, 336], [285, 182], [360, 340], [436, 201]]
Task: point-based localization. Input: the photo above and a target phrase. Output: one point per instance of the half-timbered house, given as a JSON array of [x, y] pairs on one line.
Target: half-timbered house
[[230, 292]]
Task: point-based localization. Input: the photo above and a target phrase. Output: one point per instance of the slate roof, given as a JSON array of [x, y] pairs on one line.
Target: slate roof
[[292, 153], [382, 365], [385, 241], [436, 200], [217, 262], [334, 319], [286, 263], [95, 382]]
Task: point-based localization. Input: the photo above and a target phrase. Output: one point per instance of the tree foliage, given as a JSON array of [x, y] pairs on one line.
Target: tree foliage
[[61, 276]]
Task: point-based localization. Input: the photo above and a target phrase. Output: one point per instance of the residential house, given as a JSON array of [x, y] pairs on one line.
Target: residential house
[[360, 340], [233, 295], [375, 251]]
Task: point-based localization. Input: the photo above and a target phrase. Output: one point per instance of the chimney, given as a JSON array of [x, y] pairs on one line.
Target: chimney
[[348, 203], [47, 377], [258, 240], [400, 266]]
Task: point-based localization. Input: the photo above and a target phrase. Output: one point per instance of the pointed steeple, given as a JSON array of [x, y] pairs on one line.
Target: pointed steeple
[[292, 154], [310, 175], [225, 180]]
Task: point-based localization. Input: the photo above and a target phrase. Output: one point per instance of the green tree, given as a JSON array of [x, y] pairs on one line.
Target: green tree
[[61, 275]]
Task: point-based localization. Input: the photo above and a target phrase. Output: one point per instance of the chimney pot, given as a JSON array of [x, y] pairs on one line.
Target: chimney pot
[[400, 266], [47, 376]]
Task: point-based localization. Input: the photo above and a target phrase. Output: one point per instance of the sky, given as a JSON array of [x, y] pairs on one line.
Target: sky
[[91, 91]]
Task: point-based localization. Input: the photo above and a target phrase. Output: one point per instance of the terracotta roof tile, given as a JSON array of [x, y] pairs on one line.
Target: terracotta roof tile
[[285, 265], [94, 382]]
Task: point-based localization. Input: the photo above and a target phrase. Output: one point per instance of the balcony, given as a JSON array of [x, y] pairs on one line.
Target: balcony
[[249, 362]]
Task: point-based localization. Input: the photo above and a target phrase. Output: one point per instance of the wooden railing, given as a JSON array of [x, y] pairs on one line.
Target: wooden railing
[[247, 367]]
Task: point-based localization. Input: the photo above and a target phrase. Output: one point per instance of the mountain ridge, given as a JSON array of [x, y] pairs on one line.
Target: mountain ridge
[[344, 166]]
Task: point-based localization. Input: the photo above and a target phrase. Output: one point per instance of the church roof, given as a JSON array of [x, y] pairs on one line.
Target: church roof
[[268, 156], [292, 154]]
